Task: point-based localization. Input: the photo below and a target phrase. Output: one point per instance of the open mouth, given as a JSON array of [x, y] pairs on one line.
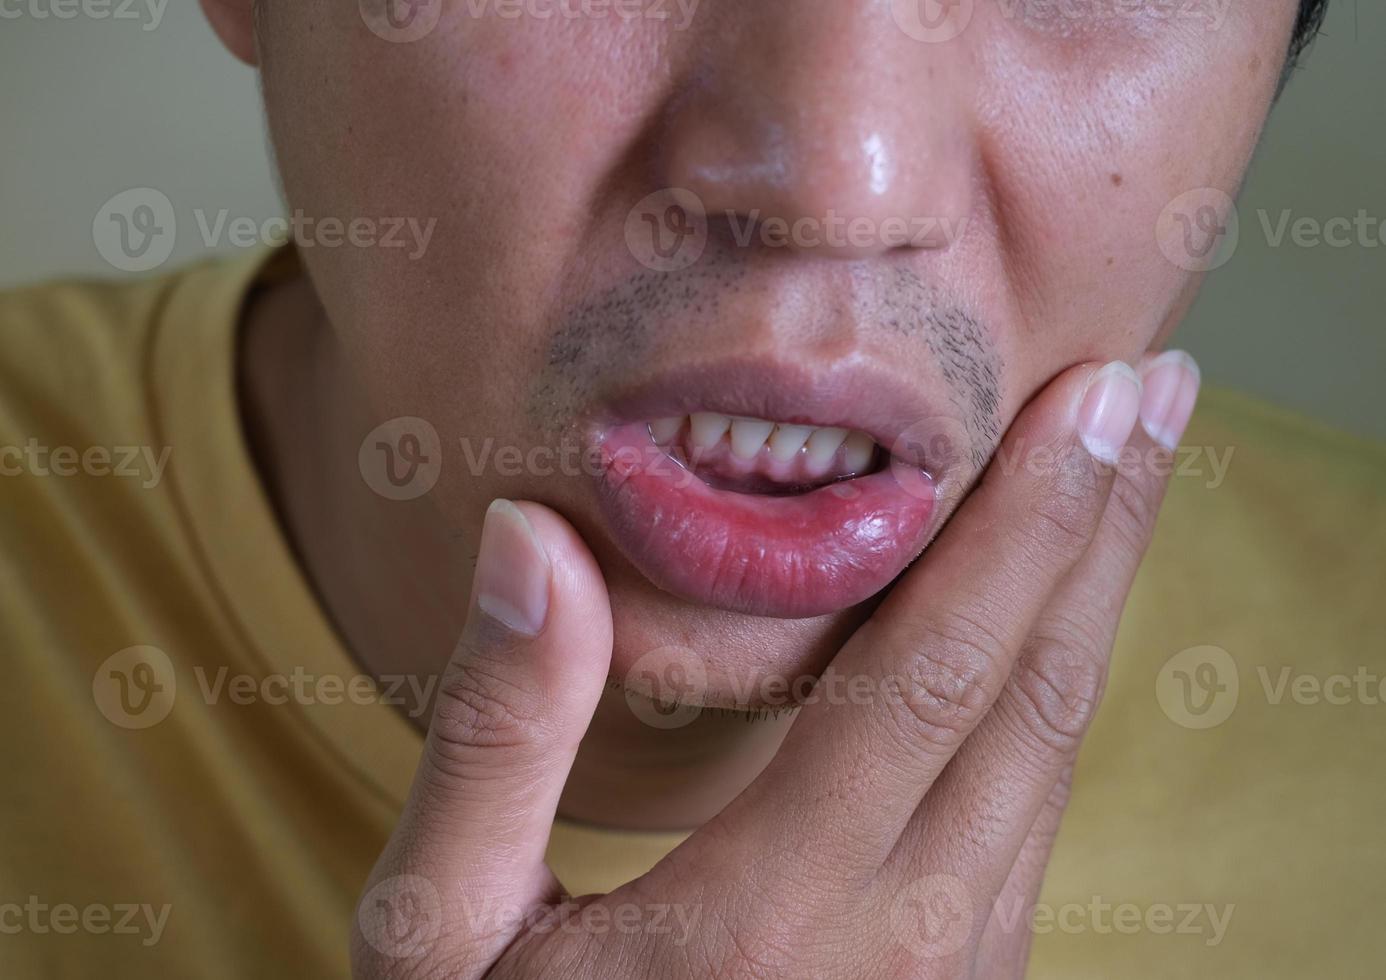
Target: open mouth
[[760, 490], [745, 455]]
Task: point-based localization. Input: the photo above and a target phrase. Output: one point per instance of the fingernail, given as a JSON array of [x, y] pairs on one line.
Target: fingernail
[[512, 570], [1109, 410], [1171, 382]]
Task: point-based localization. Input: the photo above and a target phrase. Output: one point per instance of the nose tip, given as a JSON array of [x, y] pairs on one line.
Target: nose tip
[[835, 140]]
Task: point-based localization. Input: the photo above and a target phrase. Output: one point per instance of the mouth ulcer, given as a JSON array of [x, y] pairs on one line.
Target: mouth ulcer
[[761, 456]]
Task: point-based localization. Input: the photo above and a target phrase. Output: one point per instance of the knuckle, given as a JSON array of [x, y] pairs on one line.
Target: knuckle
[[478, 707], [1065, 513], [752, 946], [1062, 792], [1133, 509], [950, 678], [1057, 686]]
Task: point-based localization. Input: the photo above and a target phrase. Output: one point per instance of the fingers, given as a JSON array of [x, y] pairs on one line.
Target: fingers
[[940, 647], [512, 705], [984, 802], [990, 802], [1004, 948]]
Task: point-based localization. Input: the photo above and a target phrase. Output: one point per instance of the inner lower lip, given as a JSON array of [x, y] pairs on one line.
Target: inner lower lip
[[784, 555]]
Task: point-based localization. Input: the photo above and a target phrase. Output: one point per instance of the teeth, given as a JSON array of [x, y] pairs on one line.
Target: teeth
[[788, 440], [818, 447], [823, 446], [859, 452], [664, 430], [748, 436], [708, 428]]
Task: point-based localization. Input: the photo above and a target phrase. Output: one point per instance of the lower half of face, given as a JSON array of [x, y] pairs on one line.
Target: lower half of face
[[751, 292]]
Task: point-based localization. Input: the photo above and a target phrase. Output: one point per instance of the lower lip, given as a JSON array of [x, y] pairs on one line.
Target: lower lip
[[788, 557]]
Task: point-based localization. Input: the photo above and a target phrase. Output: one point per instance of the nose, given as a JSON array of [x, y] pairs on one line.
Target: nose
[[822, 126]]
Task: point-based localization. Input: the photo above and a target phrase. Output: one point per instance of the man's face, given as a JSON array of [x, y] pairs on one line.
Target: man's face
[[898, 218]]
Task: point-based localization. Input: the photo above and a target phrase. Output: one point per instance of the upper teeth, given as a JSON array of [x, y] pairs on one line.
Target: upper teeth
[[749, 437]]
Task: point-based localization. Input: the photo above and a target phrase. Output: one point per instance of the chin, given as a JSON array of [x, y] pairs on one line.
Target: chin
[[670, 649]]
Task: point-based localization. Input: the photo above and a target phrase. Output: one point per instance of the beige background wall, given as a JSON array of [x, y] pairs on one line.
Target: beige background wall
[[92, 107]]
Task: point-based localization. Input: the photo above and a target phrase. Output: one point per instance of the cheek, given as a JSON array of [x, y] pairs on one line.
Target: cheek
[[1089, 143], [492, 130]]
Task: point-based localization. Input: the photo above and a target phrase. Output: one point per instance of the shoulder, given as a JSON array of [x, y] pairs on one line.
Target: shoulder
[[75, 355], [86, 449]]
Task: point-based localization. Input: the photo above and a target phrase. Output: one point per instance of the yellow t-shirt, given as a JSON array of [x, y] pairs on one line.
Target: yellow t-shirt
[[175, 809]]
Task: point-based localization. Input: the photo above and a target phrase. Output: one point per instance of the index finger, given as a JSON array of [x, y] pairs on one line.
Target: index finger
[[937, 652]]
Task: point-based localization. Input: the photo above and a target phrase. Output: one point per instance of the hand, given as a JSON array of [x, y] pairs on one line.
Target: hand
[[883, 836]]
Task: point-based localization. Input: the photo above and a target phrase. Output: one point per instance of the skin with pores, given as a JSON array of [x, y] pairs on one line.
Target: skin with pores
[[1055, 148]]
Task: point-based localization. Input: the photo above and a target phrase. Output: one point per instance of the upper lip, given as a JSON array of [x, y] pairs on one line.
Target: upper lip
[[848, 394]]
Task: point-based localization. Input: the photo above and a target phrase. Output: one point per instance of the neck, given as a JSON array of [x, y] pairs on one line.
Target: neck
[[394, 577]]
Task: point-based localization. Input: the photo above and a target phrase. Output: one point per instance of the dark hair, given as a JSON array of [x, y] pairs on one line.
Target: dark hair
[[1307, 25]]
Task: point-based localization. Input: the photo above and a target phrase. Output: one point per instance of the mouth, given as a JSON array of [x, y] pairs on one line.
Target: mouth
[[762, 456], [770, 490]]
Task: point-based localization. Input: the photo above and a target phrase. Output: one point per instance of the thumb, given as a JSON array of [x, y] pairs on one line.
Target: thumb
[[512, 705]]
